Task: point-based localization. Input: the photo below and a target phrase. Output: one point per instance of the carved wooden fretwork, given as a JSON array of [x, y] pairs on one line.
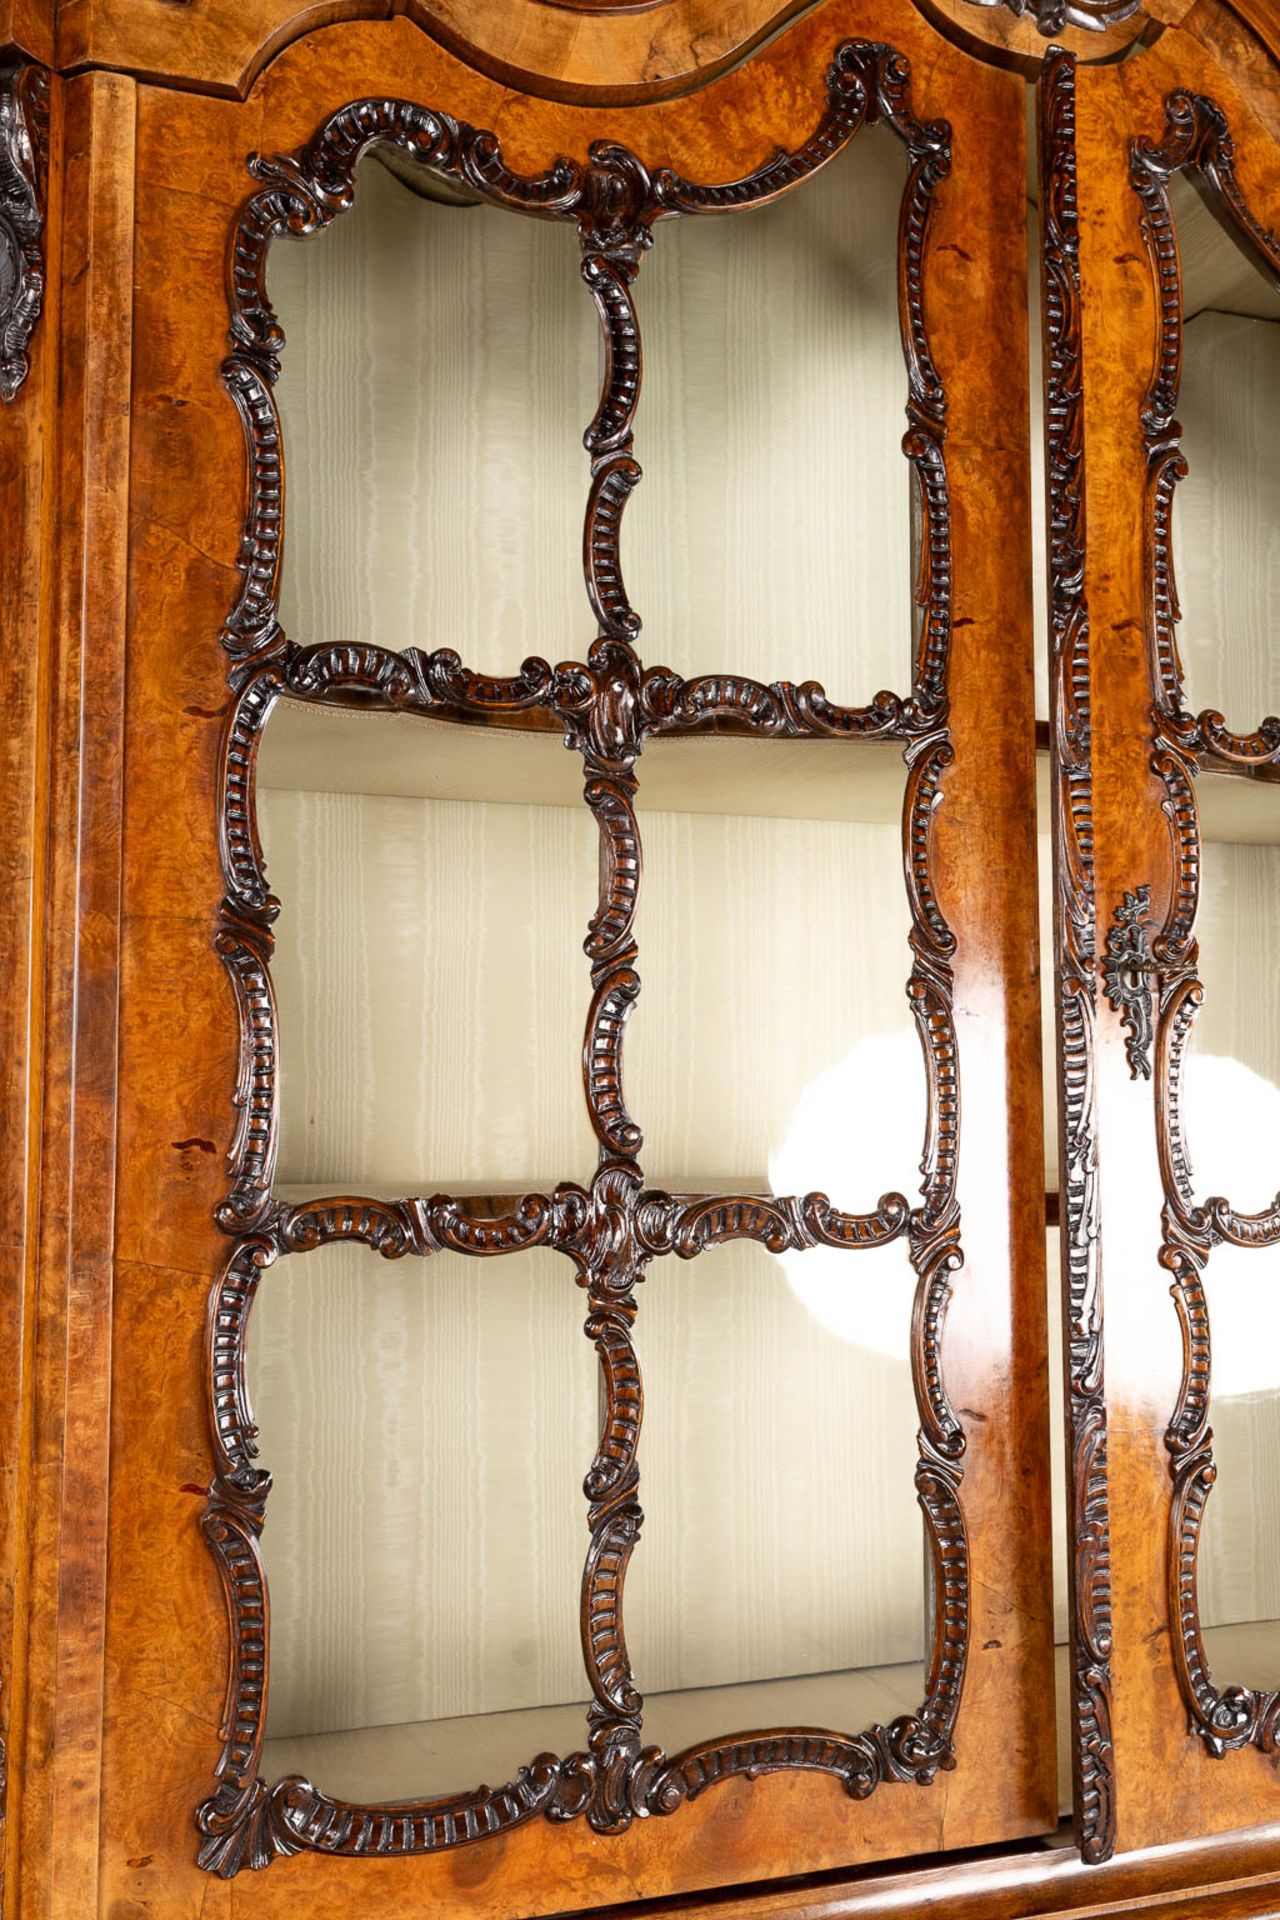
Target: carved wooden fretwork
[[24, 160], [606, 707], [1196, 140], [1075, 963]]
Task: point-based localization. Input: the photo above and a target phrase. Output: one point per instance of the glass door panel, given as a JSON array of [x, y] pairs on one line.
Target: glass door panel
[[632, 966], [1179, 207]]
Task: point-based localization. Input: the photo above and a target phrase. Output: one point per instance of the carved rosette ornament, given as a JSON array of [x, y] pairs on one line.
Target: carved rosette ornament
[[1195, 139], [611, 1229], [1075, 964], [24, 161]]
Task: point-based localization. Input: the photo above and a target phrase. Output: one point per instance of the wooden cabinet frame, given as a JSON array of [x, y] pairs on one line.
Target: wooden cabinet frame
[[120, 1655]]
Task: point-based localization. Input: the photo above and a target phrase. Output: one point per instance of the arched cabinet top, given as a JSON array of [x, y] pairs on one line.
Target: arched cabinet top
[[600, 52]]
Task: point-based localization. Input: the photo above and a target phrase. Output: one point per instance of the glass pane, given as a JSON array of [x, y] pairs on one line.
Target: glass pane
[[1039, 552], [771, 535], [432, 992], [773, 1049], [1227, 510], [442, 362], [426, 1424], [1232, 1110], [1239, 1561], [1232, 1104], [1048, 1018], [780, 1579]]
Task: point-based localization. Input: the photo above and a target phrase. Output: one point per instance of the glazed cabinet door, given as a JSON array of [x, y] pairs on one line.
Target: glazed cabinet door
[[401, 738], [1167, 173]]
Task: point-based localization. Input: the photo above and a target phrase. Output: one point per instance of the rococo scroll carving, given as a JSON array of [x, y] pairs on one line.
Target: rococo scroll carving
[[606, 708], [1051, 16], [1128, 971], [1075, 963], [1195, 139], [24, 165]]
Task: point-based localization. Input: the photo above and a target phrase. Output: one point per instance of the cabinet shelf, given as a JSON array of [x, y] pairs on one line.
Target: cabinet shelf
[[435, 1756], [388, 1763], [294, 1192], [342, 750], [1237, 806]]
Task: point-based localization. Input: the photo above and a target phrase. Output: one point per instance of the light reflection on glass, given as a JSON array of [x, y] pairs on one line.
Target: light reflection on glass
[[859, 1119]]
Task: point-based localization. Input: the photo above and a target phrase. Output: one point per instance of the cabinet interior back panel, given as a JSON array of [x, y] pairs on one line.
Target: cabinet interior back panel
[[1231, 1114], [782, 1533], [432, 989], [1227, 514], [427, 1424], [433, 993], [440, 368]]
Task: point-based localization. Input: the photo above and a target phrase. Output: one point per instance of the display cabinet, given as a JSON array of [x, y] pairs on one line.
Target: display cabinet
[[641, 909]]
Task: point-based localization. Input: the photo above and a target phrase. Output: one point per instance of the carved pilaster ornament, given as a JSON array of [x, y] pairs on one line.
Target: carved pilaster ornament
[[24, 163]]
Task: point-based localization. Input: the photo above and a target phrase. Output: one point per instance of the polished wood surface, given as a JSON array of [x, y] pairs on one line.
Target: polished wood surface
[[30, 27], [1232, 1878], [566, 49], [63, 1737], [28, 481], [613, 54]]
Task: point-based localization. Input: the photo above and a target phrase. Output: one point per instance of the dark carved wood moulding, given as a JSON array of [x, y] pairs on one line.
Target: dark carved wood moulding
[[606, 707], [1075, 965], [1162, 959]]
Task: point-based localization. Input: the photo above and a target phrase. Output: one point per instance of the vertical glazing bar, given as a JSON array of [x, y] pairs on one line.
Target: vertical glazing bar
[[603, 708]]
